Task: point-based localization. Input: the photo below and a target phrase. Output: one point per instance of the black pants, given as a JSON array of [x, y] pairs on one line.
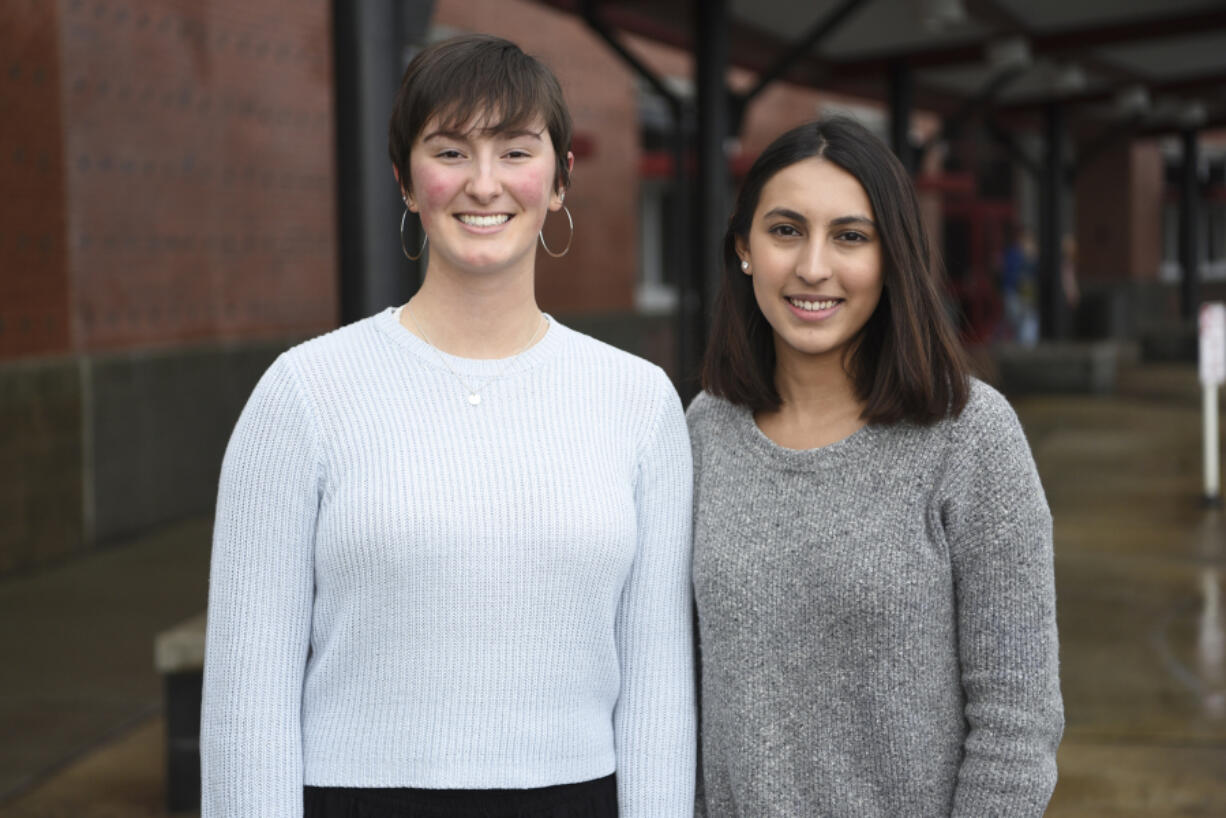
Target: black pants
[[588, 799]]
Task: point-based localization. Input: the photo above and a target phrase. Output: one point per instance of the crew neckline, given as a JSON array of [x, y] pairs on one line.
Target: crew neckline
[[388, 322], [802, 459]]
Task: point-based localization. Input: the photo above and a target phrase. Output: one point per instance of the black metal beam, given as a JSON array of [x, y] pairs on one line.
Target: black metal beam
[[369, 40], [803, 46], [1051, 223], [588, 10], [1189, 245], [714, 181], [902, 102]]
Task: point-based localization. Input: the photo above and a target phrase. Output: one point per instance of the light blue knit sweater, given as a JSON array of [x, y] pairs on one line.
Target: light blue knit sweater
[[409, 591]]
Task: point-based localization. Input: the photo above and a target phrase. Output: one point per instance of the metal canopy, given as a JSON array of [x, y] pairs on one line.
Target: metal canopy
[[1082, 51]]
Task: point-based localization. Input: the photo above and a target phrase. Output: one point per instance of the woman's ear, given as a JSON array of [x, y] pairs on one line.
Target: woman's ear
[[405, 196], [559, 194], [742, 252]]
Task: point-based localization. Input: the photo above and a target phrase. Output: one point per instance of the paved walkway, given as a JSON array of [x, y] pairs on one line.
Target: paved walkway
[[1139, 577], [76, 672], [1139, 570]]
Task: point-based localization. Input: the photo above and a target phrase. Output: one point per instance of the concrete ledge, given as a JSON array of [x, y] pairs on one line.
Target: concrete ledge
[[1058, 367], [181, 648]]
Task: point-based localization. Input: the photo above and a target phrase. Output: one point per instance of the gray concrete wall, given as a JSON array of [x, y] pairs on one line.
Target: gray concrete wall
[[94, 448], [98, 448], [41, 455], [161, 421]]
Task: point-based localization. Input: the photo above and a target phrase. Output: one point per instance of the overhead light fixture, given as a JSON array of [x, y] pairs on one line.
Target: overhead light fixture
[[938, 15], [1132, 101], [1009, 53], [1192, 114], [1068, 79]]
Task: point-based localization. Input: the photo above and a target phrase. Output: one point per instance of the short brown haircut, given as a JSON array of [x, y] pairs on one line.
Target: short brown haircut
[[906, 363], [477, 75]]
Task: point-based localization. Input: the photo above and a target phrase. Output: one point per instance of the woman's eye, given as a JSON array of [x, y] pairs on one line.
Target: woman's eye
[[852, 236], [518, 153], [449, 153], [784, 230]]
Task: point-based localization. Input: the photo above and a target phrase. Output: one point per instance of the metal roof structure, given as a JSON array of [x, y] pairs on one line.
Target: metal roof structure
[[1162, 61]]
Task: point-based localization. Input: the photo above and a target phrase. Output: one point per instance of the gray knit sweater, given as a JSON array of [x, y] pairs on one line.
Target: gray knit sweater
[[877, 619]]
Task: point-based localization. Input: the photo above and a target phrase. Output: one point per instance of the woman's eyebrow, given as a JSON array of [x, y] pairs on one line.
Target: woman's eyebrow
[[517, 133], [443, 134], [457, 136], [845, 220], [786, 213]]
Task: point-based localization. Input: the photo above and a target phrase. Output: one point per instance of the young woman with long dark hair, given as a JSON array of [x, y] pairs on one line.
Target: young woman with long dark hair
[[872, 552]]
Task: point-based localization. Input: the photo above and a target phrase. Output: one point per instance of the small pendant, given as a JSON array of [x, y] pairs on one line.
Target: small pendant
[[474, 399]]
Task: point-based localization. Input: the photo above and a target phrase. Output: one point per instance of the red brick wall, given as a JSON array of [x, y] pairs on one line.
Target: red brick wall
[[33, 268], [1103, 218], [168, 173], [1119, 198], [199, 156], [1147, 183]]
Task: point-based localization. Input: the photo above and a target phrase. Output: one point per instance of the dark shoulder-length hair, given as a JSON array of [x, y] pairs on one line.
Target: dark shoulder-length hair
[[478, 75], [906, 363]]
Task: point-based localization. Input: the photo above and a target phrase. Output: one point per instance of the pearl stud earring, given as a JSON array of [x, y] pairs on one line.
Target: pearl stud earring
[[745, 265]]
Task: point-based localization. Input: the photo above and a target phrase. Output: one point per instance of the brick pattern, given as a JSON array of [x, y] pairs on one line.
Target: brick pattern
[[199, 164], [1145, 192], [33, 272]]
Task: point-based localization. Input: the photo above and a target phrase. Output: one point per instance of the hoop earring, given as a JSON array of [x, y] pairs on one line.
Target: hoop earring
[[568, 241], [425, 239]]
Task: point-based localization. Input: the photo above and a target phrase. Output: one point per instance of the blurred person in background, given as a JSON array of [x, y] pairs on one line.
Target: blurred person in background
[[1068, 271], [451, 559], [872, 549], [1019, 287]]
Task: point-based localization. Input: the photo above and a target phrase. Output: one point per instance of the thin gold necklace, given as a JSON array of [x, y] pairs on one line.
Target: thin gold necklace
[[474, 395]]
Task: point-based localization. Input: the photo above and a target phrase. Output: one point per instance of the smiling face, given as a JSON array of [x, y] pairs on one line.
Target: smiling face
[[483, 196], [815, 257]]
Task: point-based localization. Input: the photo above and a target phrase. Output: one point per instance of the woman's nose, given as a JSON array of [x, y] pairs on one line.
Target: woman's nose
[[483, 183], [813, 266]]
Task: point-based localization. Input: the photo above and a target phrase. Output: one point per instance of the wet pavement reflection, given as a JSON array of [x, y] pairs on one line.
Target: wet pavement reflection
[[1139, 575]]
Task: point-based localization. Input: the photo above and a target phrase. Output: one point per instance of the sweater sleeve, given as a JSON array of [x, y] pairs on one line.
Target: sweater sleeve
[[655, 718], [259, 615], [999, 532]]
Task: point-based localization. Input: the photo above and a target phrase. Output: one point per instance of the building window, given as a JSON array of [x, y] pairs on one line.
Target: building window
[[1211, 222], [657, 284], [656, 290]]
